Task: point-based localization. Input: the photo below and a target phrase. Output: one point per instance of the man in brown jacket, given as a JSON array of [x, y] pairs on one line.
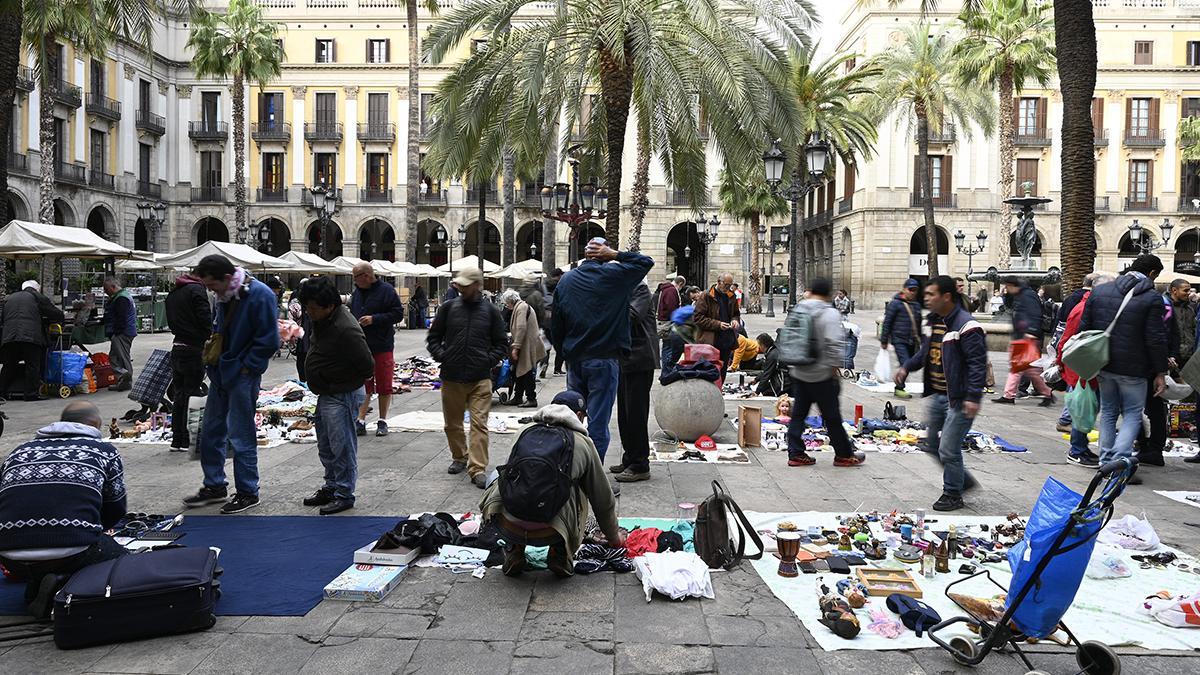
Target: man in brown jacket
[[718, 318]]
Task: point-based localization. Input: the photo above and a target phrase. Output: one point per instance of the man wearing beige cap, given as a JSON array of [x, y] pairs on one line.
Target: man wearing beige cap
[[468, 337]]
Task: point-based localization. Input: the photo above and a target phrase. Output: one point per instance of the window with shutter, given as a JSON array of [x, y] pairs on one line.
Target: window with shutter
[[426, 113], [946, 174], [377, 110], [1027, 172], [1143, 52], [377, 172], [326, 106], [1191, 107], [377, 51], [848, 181], [1098, 117], [325, 51], [272, 172], [325, 169], [1027, 117], [1138, 112], [210, 170], [1153, 125], [1139, 182], [1193, 53], [144, 96]]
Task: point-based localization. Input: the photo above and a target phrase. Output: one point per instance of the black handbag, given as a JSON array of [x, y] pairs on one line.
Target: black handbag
[[712, 533], [138, 596]]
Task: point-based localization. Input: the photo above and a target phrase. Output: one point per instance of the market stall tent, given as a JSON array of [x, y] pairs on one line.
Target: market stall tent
[[307, 263], [238, 254], [469, 261], [525, 270], [22, 239]]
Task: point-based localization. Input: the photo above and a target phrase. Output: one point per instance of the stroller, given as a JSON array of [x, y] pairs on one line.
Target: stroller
[[1048, 566]]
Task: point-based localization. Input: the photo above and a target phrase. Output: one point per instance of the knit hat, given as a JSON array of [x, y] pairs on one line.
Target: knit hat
[[572, 399]]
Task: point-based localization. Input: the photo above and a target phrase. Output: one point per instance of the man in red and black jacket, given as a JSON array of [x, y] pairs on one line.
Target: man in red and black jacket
[[668, 301]]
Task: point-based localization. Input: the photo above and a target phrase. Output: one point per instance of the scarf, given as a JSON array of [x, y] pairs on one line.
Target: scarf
[[236, 282]]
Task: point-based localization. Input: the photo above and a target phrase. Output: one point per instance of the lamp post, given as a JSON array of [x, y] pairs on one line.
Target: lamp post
[[970, 251], [706, 233], [154, 215], [264, 236], [324, 203], [439, 236], [1144, 241], [816, 154], [572, 203], [769, 247]]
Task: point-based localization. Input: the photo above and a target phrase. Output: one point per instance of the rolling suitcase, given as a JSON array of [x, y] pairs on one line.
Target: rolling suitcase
[[138, 596]]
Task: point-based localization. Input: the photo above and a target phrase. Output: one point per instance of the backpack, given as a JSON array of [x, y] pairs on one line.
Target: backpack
[[536, 481], [712, 536], [1049, 317], [798, 338]]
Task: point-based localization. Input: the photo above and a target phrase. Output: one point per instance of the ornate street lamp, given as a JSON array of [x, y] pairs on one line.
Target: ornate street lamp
[[440, 237], [324, 204], [970, 251], [770, 247], [1144, 241], [706, 233], [572, 203], [816, 156], [154, 215]]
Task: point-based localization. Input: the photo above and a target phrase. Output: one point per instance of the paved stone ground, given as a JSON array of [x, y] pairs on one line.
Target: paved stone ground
[[435, 622]]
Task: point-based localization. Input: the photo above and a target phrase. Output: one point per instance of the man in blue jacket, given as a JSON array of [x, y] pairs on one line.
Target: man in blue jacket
[[954, 357], [1027, 325], [120, 326], [902, 327], [591, 327], [245, 337], [378, 309]]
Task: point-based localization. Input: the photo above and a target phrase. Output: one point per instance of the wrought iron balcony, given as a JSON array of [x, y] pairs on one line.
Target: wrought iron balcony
[[18, 162], [25, 79], [846, 205], [1189, 203], [70, 173], [323, 131], [942, 201], [1033, 138], [1102, 204], [492, 197], [208, 194], [103, 106], [1150, 204], [1101, 139], [65, 94], [150, 123], [433, 197], [1141, 137], [100, 179], [271, 131], [382, 195], [208, 130], [945, 136], [147, 188], [377, 131], [276, 195]]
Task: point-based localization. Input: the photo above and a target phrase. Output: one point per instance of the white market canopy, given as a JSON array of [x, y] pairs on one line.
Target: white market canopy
[[470, 261], [238, 254], [307, 263], [423, 270], [142, 261], [524, 270], [22, 239], [381, 268]]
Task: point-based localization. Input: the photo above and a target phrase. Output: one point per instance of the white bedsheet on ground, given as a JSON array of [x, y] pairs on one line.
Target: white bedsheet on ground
[[1182, 496], [424, 420], [889, 387]]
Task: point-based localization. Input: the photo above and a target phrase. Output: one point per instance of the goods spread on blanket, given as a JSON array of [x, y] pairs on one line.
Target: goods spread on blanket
[[874, 435], [416, 372]]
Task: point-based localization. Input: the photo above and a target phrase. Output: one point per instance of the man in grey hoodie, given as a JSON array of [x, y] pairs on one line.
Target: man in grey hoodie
[[818, 382]]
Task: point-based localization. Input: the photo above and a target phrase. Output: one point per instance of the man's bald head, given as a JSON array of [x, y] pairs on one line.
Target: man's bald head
[[364, 274], [82, 412], [724, 281]]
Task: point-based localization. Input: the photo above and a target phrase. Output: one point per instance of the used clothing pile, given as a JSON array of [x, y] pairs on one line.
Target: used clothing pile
[[416, 372], [290, 399], [675, 574]]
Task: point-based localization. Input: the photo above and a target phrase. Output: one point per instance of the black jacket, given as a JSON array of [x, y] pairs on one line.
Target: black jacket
[[773, 380], [1064, 310], [1138, 346], [338, 359], [468, 338], [26, 314], [1027, 314], [642, 333], [899, 324], [381, 302], [964, 357], [189, 315]]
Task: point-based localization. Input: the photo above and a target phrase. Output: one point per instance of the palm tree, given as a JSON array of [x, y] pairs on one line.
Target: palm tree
[[11, 15], [745, 195], [239, 44], [1075, 42], [1007, 43], [413, 152], [730, 55], [916, 78]]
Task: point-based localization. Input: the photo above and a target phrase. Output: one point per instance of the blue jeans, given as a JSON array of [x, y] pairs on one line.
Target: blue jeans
[[1125, 397], [947, 429], [672, 349], [337, 444], [904, 352], [229, 421], [596, 380], [851, 351]]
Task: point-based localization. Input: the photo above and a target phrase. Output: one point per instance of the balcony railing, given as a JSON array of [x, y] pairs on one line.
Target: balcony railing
[[1036, 138], [382, 195], [492, 198], [323, 131], [946, 136], [276, 195], [208, 194], [65, 94], [432, 197], [208, 130], [147, 188], [18, 162], [1189, 203], [151, 123], [1102, 203], [1140, 137], [943, 201], [426, 129], [1101, 138], [100, 179], [271, 131], [103, 106], [70, 173], [846, 205], [25, 79], [377, 131], [1141, 205], [680, 198]]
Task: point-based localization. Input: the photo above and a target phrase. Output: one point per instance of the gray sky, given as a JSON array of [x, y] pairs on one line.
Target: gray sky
[[829, 12]]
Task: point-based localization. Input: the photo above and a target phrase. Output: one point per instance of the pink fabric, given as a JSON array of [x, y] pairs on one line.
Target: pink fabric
[[1035, 376]]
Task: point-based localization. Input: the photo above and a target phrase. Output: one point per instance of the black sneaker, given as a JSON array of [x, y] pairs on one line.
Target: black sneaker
[[239, 503], [1004, 400], [1151, 458], [320, 497], [337, 506], [207, 495], [1047, 401], [360, 428], [381, 428], [457, 467], [948, 503], [1088, 458], [617, 468]]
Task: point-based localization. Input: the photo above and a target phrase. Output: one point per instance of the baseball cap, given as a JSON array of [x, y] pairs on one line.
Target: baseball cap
[[571, 399], [706, 443], [912, 283], [31, 284], [469, 275]]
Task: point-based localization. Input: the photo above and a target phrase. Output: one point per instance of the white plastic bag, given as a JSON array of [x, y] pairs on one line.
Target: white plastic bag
[[1107, 562], [1176, 391], [1178, 612], [1045, 362], [883, 367], [1130, 532]]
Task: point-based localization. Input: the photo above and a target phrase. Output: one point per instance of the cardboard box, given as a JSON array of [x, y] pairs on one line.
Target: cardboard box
[[749, 426], [370, 583], [389, 556]]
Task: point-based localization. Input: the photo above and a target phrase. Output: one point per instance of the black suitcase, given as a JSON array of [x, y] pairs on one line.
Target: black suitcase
[[138, 596]]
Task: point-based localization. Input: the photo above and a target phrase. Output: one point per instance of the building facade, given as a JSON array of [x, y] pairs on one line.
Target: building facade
[[871, 238]]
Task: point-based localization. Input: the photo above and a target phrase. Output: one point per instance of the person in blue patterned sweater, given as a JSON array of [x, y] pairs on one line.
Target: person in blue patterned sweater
[[58, 494]]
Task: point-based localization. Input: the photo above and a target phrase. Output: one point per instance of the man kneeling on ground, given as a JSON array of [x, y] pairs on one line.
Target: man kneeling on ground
[[58, 494], [561, 531]]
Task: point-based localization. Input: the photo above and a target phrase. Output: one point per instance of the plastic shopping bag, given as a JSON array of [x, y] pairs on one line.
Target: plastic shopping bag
[[1131, 533], [1022, 353], [1084, 406], [883, 367]]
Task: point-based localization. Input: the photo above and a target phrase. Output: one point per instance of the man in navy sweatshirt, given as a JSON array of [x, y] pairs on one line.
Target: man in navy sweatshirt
[[58, 494], [377, 308], [120, 326], [591, 327]]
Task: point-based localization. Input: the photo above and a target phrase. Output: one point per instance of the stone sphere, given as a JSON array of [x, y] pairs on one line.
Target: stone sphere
[[690, 409]]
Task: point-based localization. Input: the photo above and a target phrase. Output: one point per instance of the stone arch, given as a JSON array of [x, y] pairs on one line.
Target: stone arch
[[486, 239], [529, 241], [18, 206], [431, 250], [588, 231], [1187, 252], [313, 235], [210, 228], [102, 222], [280, 240], [918, 253], [684, 252], [64, 214], [377, 240]]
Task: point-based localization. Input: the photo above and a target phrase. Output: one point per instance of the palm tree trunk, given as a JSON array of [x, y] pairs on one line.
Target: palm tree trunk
[[46, 143], [616, 86], [754, 288], [481, 224], [551, 170], [1075, 41], [10, 58], [510, 246], [1007, 159], [925, 179], [639, 199], [413, 192], [239, 157]]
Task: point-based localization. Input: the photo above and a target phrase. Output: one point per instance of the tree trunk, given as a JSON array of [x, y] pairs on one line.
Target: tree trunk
[[1075, 41], [925, 180], [639, 198], [46, 140], [754, 288], [1007, 160], [549, 254], [239, 158], [616, 86], [510, 245], [413, 191], [10, 58], [482, 223], [795, 247]]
